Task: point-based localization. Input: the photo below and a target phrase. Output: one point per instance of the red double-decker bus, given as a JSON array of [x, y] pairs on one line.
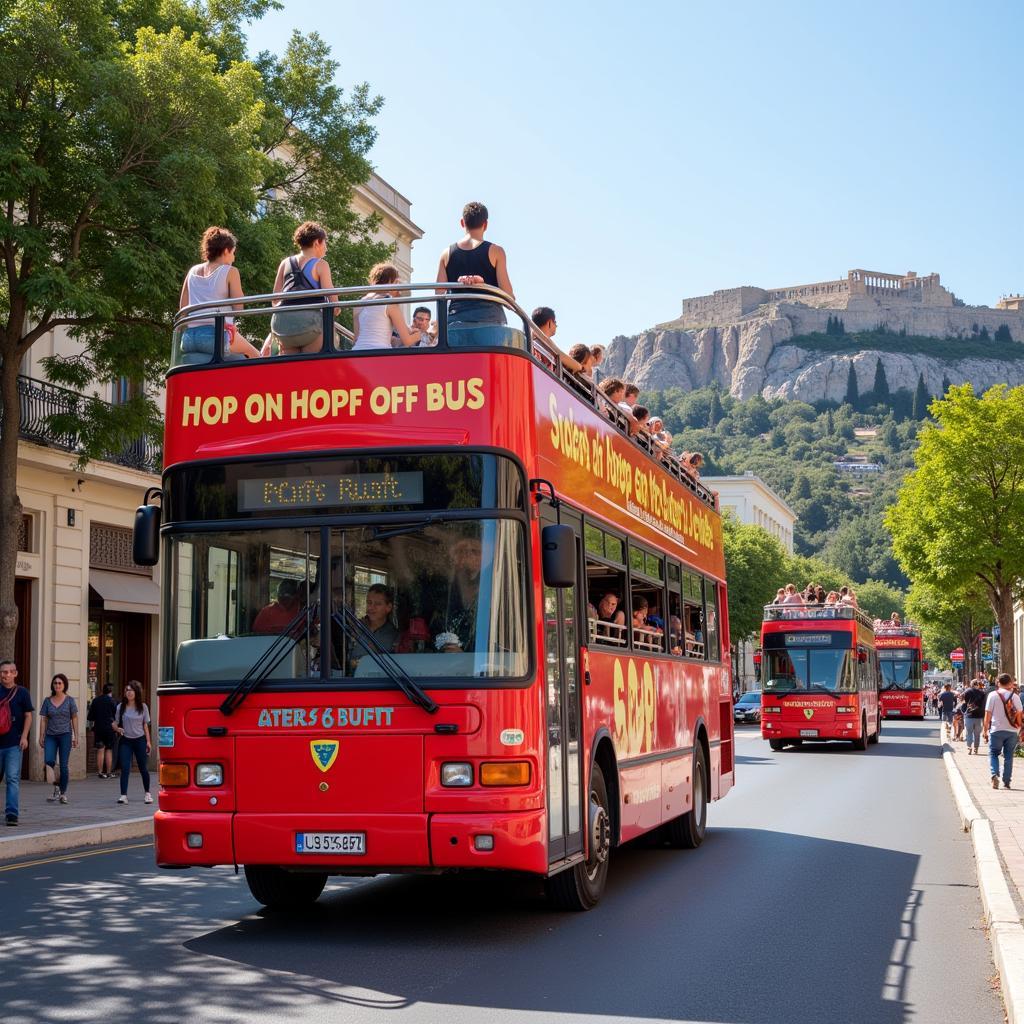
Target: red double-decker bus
[[899, 657], [427, 609], [820, 676]]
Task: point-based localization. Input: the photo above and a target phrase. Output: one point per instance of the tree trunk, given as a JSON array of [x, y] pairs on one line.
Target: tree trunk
[[10, 504], [1003, 607]]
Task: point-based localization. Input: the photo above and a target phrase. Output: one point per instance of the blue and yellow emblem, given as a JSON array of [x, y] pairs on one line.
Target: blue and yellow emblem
[[324, 752]]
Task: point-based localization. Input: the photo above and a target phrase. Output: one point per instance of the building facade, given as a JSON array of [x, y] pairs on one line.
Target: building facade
[[753, 502], [85, 608]]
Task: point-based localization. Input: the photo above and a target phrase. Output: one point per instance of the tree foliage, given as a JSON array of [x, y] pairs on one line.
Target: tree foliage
[[948, 619], [125, 130], [958, 522], [852, 392]]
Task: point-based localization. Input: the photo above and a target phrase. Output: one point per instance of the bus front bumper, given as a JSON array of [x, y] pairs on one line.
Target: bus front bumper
[[394, 842]]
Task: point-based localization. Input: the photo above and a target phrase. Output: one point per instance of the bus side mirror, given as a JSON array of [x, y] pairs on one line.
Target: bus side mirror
[[146, 535], [558, 555]]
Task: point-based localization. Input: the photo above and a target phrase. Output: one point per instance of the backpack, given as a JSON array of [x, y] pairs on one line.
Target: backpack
[[1013, 716], [6, 718]]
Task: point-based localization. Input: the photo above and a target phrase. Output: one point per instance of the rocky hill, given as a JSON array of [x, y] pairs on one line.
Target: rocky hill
[[776, 350]]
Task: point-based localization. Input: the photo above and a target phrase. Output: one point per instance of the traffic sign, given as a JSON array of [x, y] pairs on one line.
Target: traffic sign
[[957, 656]]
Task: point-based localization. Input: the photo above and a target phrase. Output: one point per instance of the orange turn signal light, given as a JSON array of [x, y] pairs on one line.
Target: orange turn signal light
[[173, 774], [505, 773]]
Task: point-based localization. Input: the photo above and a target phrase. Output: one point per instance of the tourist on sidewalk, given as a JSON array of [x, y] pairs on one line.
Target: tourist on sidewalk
[[101, 713], [947, 701], [974, 715], [15, 725], [132, 725], [58, 733], [1002, 721]]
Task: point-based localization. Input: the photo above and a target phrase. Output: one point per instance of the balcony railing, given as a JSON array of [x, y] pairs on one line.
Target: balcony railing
[[41, 401]]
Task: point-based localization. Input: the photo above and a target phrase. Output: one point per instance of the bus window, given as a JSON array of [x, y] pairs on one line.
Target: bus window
[[801, 669], [221, 591], [675, 624], [648, 628], [693, 627], [712, 647], [606, 610]]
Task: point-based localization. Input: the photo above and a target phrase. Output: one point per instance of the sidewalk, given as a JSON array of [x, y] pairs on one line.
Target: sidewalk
[[92, 816], [1004, 808]]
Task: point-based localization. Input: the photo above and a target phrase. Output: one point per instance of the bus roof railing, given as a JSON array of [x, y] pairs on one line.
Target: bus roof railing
[[815, 612], [440, 293], [888, 629]]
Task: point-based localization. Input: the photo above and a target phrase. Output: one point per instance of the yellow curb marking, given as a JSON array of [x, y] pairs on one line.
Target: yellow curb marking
[[72, 856]]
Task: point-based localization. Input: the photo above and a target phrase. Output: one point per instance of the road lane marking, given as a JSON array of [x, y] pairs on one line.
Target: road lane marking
[[72, 856]]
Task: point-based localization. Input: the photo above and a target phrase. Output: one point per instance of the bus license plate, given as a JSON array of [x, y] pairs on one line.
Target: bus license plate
[[350, 843], [894, 711], [808, 732]]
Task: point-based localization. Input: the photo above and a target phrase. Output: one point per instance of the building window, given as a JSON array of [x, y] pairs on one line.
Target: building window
[[25, 534], [110, 547]]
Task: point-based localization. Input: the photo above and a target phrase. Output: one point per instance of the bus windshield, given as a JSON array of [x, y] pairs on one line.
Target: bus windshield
[[901, 670], [790, 670], [446, 599]]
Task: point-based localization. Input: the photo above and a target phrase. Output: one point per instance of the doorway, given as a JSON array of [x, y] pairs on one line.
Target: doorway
[[23, 646], [562, 679]]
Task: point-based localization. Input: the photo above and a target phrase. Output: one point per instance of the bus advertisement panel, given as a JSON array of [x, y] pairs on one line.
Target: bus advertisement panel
[[819, 676]]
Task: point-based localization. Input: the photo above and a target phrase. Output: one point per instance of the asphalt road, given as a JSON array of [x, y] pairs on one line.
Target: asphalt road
[[834, 886]]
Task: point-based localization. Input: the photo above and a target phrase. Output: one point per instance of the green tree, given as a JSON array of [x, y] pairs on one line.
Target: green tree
[[960, 515], [852, 397], [801, 570], [948, 619], [880, 391], [921, 399], [945, 385], [754, 565], [1003, 333], [879, 599], [125, 130], [715, 411]]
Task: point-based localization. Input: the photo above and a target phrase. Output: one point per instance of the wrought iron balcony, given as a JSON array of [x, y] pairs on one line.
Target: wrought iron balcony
[[41, 401]]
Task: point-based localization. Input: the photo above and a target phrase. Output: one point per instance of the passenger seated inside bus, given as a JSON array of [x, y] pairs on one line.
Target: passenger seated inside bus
[[646, 635], [380, 603], [608, 624], [281, 612], [694, 633]]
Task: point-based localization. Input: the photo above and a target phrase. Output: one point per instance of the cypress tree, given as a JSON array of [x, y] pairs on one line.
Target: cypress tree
[[945, 385], [852, 393], [715, 412], [921, 399], [1003, 333], [881, 388]]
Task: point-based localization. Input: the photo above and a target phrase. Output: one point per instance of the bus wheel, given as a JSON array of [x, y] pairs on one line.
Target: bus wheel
[[878, 730], [278, 889], [581, 886], [687, 831], [776, 744], [862, 742]]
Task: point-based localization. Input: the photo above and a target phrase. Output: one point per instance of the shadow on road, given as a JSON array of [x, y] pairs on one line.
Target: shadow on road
[[756, 926]]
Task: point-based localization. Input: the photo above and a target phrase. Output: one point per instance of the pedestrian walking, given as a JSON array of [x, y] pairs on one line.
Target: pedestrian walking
[[132, 725], [101, 714], [974, 715], [947, 701], [58, 733], [1003, 715], [15, 725]]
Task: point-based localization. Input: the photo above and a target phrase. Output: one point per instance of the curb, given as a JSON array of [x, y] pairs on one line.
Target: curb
[[964, 804], [76, 836], [1005, 930]]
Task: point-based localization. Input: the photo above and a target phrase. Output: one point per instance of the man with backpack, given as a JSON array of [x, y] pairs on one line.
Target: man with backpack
[[1003, 715], [15, 725]]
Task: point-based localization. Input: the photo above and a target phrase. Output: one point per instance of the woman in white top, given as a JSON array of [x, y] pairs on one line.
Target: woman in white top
[[215, 278], [374, 324]]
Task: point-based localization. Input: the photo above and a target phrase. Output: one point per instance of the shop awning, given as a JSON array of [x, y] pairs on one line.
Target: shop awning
[[123, 592]]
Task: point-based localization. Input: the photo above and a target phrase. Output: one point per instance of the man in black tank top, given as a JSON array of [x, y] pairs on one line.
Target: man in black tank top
[[474, 261]]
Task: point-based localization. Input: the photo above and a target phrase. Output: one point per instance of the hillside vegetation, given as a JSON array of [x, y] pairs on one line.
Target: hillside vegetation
[[976, 346], [792, 447]]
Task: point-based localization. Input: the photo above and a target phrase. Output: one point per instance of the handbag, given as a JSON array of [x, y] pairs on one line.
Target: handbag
[[6, 718]]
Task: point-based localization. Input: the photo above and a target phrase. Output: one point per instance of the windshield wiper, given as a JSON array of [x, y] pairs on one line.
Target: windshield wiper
[[397, 531], [347, 620], [815, 688], [270, 659]]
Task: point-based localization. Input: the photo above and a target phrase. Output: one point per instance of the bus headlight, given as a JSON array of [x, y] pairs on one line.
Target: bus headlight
[[457, 773], [209, 775]]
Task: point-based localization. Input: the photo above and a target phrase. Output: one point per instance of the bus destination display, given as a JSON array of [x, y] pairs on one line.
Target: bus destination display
[[337, 491]]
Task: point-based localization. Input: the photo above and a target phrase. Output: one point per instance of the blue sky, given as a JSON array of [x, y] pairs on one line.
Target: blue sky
[[634, 154]]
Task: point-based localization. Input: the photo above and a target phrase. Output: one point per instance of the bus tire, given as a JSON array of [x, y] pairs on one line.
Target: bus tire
[[878, 730], [581, 886], [776, 744], [861, 743], [278, 889], [688, 830]]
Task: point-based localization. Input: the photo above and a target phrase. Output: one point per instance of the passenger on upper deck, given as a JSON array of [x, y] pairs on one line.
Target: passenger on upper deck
[[301, 331], [374, 325], [629, 399], [691, 462], [546, 327], [661, 436], [471, 260], [422, 323], [597, 351], [214, 278], [792, 597], [780, 596], [831, 599], [582, 355], [613, 389]]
